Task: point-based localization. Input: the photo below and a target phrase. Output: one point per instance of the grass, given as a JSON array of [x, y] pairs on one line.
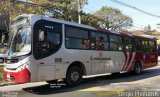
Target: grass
[[1, 74]]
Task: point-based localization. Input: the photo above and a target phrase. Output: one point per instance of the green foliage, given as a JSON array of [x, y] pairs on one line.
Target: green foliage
[[15, 8], [108, 17], [67, 10], [62, 9], [89, 20], [116, 19], [1, 74]]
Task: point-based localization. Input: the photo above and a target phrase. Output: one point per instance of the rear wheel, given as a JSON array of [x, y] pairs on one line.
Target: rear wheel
[[74, 76], [137, 68]]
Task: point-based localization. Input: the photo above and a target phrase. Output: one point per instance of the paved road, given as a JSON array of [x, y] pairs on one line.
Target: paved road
[[121, 85]]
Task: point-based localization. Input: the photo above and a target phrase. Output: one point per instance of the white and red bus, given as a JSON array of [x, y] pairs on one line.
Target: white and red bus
[[48, 49]]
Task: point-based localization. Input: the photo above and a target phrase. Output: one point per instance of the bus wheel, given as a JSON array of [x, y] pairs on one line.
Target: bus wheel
[[74, 76], [137, 68]]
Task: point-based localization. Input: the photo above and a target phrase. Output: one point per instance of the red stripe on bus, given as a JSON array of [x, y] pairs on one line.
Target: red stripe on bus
[[129, 60], [126, 57]]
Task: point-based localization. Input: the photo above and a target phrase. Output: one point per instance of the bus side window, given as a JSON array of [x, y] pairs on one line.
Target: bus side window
[[99, 41], [137, 45], [152, 46], [128, 44], [98, 45], [145, 46], [116, 43], [51, 39], [76, 38], [49, 43], [85, 43]]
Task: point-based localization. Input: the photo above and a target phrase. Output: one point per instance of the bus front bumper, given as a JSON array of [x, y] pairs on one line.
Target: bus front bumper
[[22, 76]]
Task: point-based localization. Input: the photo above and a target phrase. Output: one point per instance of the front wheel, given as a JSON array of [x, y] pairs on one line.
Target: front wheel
[[74, 76], [137, 68]]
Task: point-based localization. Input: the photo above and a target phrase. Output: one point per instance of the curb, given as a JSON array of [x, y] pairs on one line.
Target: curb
[[7, 84]]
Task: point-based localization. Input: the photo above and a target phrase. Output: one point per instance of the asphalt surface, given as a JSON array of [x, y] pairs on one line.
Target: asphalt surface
[[147, 84]]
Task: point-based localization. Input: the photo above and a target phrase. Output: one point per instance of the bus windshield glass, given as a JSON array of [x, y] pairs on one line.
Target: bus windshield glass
[[21, 42]]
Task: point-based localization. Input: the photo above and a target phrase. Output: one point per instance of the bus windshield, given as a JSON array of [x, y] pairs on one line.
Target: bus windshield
[[21, 42]]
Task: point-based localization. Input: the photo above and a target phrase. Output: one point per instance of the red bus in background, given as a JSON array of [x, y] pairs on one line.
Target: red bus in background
[[144, 51]]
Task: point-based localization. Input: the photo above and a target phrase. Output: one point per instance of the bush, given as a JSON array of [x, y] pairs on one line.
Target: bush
[[1, 74]]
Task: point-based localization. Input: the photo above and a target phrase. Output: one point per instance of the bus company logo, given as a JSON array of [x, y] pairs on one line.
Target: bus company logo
[[50, 27], [101, 55]]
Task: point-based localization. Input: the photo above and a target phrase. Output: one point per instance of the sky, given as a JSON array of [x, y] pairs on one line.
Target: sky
[[140, 20]]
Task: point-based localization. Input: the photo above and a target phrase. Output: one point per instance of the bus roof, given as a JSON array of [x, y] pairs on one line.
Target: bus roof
[[83, 26]]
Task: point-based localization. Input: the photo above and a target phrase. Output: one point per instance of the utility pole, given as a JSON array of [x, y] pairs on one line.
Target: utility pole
[[9, 14], [79, 12]]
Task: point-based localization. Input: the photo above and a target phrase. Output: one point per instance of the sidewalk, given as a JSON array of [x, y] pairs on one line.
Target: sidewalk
[[7, 83]]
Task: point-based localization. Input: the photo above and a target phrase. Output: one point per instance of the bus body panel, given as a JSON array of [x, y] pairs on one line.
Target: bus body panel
[[114, 63], [49, 73], [147, 60]]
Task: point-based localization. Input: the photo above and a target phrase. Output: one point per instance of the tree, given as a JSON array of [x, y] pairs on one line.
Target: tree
[[148, 30], [89, 20], [116, 19], [14, 8], [63, 9]]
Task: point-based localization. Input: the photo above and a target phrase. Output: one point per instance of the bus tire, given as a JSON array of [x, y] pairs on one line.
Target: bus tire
[[137, 68], [74, 76]]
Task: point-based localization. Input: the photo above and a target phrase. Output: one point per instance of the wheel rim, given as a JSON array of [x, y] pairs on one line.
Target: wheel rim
[[138, 69], [74, 76]]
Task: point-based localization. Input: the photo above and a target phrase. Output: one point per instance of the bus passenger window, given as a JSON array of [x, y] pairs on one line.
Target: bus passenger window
[[85, 43], [152, 46], [127, 44], [99, 41], [76, 38], [116, 43], [137, 45], [99, 44], [145, 45]]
